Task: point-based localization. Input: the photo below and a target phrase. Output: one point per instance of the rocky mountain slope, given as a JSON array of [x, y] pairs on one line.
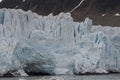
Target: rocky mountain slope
[[101, 11]]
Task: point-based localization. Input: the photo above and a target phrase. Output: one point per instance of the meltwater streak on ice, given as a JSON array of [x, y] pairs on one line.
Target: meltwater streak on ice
[[55, 45]]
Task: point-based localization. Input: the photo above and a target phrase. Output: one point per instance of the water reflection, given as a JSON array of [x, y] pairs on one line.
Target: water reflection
[[69, 77]]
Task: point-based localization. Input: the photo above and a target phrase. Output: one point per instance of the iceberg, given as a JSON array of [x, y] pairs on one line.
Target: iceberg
[[30, 43]]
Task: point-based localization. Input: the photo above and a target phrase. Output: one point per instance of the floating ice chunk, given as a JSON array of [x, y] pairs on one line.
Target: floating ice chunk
[[117, 14], [23, 0], [103, 14]]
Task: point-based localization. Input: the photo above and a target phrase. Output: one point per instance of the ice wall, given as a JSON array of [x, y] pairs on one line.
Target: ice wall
[[55, 45]]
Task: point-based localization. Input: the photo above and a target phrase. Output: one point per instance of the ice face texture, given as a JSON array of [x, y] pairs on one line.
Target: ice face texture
[[55, 44]]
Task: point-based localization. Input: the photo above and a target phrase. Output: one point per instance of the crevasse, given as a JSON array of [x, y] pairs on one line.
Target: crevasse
[[55, 44]]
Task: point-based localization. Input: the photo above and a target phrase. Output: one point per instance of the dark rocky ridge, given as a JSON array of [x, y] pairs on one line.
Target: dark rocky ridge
[[90, 8]]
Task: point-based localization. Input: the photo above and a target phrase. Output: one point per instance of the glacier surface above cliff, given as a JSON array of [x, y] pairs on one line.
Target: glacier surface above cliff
[[56, 44]]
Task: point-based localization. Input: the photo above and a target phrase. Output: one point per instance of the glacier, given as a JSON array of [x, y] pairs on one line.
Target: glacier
[[55, 44]]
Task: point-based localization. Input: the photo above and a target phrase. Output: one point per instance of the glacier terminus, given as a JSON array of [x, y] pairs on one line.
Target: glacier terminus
[[55, 45]]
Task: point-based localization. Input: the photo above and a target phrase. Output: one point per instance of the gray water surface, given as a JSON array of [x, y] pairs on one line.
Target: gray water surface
[[69, 77]]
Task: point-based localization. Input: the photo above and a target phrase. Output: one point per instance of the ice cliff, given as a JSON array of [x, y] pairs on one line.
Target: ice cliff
[[56, 45]]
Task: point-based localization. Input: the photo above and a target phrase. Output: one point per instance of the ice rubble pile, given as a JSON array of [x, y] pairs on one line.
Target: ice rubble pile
[[56, 44]]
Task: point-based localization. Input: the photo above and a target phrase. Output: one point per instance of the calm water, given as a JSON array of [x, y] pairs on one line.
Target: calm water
[[69, 77]]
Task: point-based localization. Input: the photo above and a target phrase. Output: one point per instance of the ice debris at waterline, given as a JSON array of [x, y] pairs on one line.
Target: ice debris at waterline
[[55, 45]]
